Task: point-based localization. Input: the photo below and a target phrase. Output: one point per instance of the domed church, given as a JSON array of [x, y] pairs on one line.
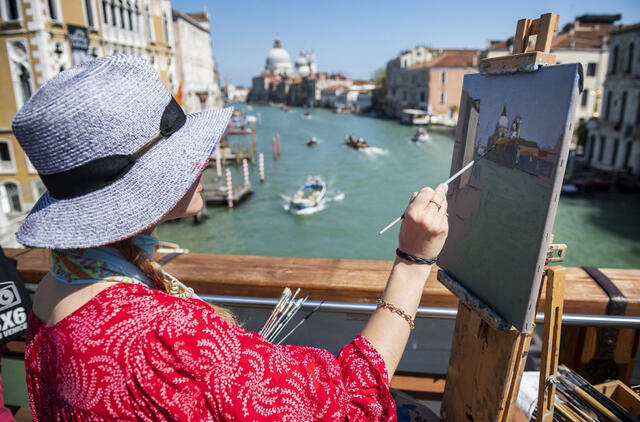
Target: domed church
[[278, 60]]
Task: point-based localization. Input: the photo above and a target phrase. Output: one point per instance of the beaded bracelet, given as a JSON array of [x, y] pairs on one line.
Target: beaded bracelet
[[382, 304], [415, 259]]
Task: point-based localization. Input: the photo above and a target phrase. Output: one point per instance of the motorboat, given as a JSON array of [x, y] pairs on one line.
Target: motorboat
[[239, 124], [421, 135], [307, 114], [355, 143], [309, 197], [312, 141]]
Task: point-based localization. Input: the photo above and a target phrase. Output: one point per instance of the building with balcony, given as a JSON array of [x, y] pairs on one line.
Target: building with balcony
[[585, 41], [613, 141]]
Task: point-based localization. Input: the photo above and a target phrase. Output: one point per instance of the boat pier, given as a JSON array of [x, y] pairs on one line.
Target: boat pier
[[229, 151], [219, 193]]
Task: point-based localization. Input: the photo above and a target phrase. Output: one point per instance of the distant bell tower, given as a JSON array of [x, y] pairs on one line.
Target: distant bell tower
[[502, 128]]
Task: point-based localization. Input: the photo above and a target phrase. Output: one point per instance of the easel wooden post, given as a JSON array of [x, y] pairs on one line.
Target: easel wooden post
[[487, 354]]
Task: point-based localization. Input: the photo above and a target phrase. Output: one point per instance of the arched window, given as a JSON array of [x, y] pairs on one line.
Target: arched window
[[614, 60], [627, 155], [443, 77], [150, 32], [165, 23], [122, 16], [88, 7], [25, 83], [138, 19], [104, 12], [630, 58], [10, 198], [113, 14], [614, 154], [601, 149], [53, 10], [591, 145], [13, 12], [443, 96], [607, 107], [7, 164], [20, 73], [585, 98], [623, 107]]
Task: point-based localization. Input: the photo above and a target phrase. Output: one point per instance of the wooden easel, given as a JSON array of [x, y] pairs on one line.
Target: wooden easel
[[487, 354], [486, 363]]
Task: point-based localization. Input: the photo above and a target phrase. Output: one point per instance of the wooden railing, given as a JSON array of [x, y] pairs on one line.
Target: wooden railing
[[363, 281], [345, 280]]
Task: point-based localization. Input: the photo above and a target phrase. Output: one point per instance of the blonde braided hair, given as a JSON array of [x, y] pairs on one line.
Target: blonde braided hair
[[161, 279]]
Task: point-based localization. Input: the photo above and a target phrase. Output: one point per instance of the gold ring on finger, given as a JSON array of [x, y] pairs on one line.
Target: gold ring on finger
[[436, 204]]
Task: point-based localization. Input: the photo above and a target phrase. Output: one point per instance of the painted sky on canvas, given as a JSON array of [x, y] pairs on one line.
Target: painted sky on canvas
[[541, 102]]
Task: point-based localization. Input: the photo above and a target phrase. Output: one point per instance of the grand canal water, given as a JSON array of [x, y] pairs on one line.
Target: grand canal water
[[368, 189]]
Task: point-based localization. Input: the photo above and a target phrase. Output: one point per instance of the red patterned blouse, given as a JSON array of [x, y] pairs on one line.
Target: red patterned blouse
[[133, 353]]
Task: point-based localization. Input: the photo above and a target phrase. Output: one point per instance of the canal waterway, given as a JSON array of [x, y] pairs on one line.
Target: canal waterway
[[369, 188]]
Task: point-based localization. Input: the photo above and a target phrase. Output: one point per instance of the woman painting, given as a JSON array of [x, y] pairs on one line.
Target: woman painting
[[113, 337]]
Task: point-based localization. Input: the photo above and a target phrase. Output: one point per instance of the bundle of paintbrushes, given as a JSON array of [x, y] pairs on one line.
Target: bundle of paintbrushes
[[577, 401], [282, 314]]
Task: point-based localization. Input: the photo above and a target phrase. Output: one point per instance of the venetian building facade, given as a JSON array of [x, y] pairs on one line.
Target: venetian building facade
[[613, 142], [585, 41], [430, 80], [38, 39], [196, 68]]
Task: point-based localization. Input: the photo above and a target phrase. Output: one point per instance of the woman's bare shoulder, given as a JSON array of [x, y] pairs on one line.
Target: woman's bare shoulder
[[54, 300]]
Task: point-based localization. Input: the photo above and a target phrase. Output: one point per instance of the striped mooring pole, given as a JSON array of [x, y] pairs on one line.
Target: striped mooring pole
[[229, 189], [261, 166]]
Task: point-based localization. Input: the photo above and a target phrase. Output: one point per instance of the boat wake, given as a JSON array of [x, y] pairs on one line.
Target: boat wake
[[308, 211], [337, 197], [375, 151]]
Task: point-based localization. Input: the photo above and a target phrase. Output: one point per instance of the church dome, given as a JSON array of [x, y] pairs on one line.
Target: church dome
[[302, 65], [278, 60], [301, 61]]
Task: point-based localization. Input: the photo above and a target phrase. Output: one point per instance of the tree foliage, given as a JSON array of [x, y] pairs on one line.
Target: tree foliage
[[379, 76]]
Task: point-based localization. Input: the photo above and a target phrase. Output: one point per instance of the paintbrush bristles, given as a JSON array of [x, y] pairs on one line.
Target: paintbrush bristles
[[282, 314]]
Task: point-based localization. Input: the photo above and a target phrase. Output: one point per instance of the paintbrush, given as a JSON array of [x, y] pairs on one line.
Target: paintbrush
[[287, 318], [283, 313], [284, 297], [446, 182], [302, 321]]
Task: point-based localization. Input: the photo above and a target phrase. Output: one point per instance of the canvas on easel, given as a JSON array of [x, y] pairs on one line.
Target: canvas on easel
[[501, 213]]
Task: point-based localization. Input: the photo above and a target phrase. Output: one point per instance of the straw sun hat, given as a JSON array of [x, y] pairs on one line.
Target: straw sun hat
[[113, 148]]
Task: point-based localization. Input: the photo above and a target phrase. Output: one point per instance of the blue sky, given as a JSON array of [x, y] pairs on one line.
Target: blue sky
[[357, 37]]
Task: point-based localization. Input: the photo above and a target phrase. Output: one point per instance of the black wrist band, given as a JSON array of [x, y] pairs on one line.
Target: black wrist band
[[415, 259]]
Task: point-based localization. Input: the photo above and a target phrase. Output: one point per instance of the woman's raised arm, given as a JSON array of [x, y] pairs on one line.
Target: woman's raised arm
[[423, 232]]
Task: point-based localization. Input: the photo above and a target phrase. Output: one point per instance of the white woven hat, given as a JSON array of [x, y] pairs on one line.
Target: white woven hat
[[113, 148]]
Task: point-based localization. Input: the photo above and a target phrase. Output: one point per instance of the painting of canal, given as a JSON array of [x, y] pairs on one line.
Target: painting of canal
[[501, 213]]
